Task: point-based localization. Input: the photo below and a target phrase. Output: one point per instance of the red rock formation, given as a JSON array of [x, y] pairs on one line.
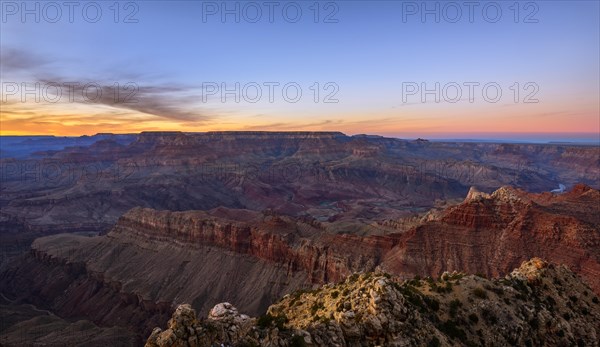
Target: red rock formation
[[487, 233], [493, 233], [298, 244]]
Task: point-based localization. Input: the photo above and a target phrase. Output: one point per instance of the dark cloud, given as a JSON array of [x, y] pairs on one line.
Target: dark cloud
[[15, 59], [136, 92], [166, 101]]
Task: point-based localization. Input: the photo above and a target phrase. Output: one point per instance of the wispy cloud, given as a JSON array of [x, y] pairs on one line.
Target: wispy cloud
[[139, 93], [16, 59]]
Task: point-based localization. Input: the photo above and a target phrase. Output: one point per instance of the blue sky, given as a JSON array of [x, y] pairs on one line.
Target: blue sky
[[368, 53]]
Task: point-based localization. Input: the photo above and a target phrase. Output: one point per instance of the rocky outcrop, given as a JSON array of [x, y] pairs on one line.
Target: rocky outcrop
[[224, 324], [493, 233], [538, 304]]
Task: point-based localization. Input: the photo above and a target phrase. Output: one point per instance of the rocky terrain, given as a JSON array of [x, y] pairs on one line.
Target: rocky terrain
[[492, 233], [117, 231], [537, 304], [153, 261], [87, 184]]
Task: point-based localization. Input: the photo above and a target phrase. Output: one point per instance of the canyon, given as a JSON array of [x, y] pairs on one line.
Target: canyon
[[152, 261], [123, 230], [326, 175]]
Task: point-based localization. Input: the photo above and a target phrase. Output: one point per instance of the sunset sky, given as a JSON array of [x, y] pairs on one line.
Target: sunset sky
[[363, 58]]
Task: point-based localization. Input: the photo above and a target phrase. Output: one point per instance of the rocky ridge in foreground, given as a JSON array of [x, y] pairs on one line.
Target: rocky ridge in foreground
[[538, 304]]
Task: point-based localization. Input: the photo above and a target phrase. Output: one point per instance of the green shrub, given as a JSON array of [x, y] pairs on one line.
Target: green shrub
[[473, 318], [450, 328], [433, 303], [412, 295], [520, 285], [335, 294], [267, 320], [297, 341], [454, 305], [414, 282], [489, 316], [316, 307], [264, 321], [494, 289], [443, 289], [480, 293], [534, 323], [457, 276], [434, 342], [414, 299]]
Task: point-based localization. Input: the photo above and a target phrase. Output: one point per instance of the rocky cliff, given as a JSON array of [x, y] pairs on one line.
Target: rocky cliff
[[125, 280], [152, 261], [538, 304], [492, 233], [298, 244], [486, 233]]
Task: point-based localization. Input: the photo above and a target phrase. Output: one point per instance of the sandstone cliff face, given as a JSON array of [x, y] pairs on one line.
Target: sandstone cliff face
[[294, 243], [537, 304], [136, 282], [493, 233], [487, 233]]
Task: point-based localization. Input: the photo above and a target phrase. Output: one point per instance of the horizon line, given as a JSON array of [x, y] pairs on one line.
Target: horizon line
[[514, 137]]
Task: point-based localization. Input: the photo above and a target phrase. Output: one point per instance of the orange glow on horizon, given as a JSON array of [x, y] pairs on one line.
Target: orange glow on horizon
[[77, 121]]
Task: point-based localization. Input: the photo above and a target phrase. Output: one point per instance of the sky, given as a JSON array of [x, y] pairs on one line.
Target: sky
[[431, 69]]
